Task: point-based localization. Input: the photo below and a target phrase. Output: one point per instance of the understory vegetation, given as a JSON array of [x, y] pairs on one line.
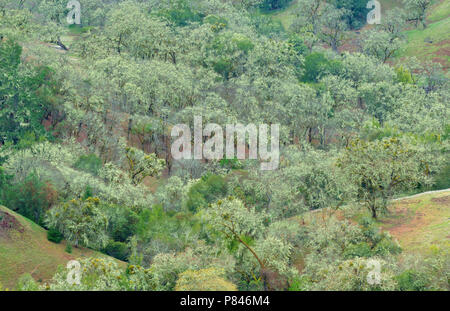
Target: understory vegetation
[[86, 113]]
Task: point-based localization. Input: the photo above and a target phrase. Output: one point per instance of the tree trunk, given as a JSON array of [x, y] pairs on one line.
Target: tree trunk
[[60, 44], [374, 212]]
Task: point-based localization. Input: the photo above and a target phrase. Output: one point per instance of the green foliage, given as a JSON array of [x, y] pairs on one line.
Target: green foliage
[[266, 25], [122, 221], [274, 4], [173, 194], [442, 179], [89, 163], [26, 283], [299, 46], [81, 222], [403, 75], [210, 279], [380, 44], [164, 231], [207, 190], [141, 165], [417, 10], [380, 168], [317, 65], [31, 198], [68, 248], [53, 235], [357, 11], [23, 94], [117, 250], [411, 280], [97, 274], [136, 68], [180, 13], [361, 249], [233, 164], [167, 267]]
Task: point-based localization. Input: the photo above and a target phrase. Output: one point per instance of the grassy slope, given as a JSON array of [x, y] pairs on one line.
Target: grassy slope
[[420, 222], [417, 223], [432, 43], [24, 248], [286, 16]]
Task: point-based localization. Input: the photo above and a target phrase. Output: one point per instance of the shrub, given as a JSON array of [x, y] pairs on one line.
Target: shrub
[[411, 280], [207, 190], [274, 4], [181, 14], [386, 246], [317, 64], [89, 163], [267, 26], [215, 20], [357, 11], [403, 75], [357, 250], [27, 283], [81, 222], [53, 235], [68, 248], [122, 221], [117, 250], [210, 279], [442, 180], [30, 198]]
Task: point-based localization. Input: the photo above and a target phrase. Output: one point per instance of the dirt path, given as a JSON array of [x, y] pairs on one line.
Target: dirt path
[[420, 194]]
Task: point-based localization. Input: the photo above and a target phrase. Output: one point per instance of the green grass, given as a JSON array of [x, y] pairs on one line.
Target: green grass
[[286, 16], [431, 43], [387, 5], [439, 11], [420, 223], [24, 248]]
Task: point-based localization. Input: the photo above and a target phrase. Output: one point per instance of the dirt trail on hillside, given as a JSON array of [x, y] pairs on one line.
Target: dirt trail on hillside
[[420, 194]]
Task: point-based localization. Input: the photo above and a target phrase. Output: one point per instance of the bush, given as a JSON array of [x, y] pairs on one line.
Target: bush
[[81, 222], [53, 235], [207, 190], [89, 163], [26, 283], [30, 198], [122, 222], [117, 250], [68, 248], [210, 279], [357, 12], [386, 246], [266, 25], [274, 4], [411, 280], [357, 250], [317, 65], [181, 14], [442, 179]]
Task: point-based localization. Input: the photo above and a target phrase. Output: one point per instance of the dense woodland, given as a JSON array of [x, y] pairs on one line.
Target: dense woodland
[[86, 113]]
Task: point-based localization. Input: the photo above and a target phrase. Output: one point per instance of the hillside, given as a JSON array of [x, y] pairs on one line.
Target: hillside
[[420, 222], [430, 44], [124, 126], [24, 248]]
